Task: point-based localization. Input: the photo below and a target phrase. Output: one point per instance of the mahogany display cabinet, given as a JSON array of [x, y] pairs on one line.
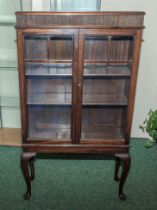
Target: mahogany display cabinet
[[77, 74]]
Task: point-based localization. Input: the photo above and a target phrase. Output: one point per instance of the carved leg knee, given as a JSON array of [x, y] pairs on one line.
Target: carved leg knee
[[117, 166]]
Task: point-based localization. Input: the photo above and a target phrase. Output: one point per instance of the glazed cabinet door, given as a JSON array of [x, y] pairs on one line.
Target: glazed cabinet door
[[49, 69], [106, 60]]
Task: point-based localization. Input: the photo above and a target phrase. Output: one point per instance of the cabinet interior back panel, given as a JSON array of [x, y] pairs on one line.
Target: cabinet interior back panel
[[95, 48], [108, 91], [44, 47], [49, 91], [61, 48], [49, 122], [36, 47], [122, 48], [103, 123]]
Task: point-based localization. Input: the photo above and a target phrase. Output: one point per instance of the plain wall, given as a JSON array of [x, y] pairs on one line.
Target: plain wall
[[9, 85]]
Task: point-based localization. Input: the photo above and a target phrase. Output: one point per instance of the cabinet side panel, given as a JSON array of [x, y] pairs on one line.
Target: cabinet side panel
[[137, 48], [22, 85]]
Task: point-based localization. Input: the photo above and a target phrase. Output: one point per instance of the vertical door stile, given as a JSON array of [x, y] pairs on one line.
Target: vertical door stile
[[22, 84], [74, 88], [79, 86]]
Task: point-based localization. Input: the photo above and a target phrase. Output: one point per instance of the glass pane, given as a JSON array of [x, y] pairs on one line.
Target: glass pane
[[49, 91], [36, 47], [105, 86], [61, 48], [121, 48], [106, 91], [102, 123], [49, 122], [95, 48], [48, 70]]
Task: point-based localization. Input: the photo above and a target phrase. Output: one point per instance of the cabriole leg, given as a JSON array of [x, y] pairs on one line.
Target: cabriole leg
[[124, 160], [27, 167]]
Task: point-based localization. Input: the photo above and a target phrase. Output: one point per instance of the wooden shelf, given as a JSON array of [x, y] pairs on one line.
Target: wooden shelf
[[65, 99], [95, 105], [90, 70], [49, 99], [49, 76], [48, 70], [85, 76], [85, 61], [47, 61], [107, 61], [86, 105], [106, 70], [48, 104]]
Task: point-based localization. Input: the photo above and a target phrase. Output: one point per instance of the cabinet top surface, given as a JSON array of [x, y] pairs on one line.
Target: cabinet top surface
[[81, 13]]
